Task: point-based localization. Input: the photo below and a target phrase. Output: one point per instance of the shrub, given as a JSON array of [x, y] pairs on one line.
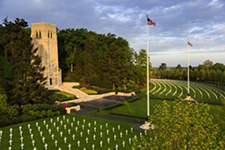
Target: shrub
[[25, 118], [90, 91]]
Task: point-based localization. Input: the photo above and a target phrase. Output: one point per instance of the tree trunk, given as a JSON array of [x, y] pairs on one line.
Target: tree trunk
[[71, 67]]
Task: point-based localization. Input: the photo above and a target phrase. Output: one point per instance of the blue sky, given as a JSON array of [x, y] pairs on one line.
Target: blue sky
[[202, 21]]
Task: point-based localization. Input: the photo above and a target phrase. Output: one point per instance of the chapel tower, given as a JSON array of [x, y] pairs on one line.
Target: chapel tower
[[44, 38]]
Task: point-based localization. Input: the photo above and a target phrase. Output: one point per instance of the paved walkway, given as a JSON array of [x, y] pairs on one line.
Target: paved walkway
[[86, 107], [83, 97]]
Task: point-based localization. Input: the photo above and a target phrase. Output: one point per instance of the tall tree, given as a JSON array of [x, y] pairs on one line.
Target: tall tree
[[182, 125], [28, 78], [208, 64], [162, 66]]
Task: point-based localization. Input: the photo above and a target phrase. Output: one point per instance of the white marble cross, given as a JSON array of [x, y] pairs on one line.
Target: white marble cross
[[39, 129], [126, 132], [108, 140], [65, 127], [10, 142], [46, 146], [31, 136], [94, 129], [101, 143], [116, 147], [22, 145], [76, 129], [71, 125], [61, 134], [88, 131], [101, 127], [100, 134], [89, 124], [95, 123], [44, 122], [61, 122], [114, 137], [34, 148], [58, 119], [41, 133], [107, 132], [81, 134], [84, 121], [129, 140], [10, 130], [43, 139], [64, 117], [131, 129], [67, 120], [53, 136], [47, 126], [78, 122], [57, 129], [113, 129], [82, 127], [94, 136], [54, 124], [20, 128], [73, 136], [78, 143], [21, 139], [49, 131], [106, 125], [68, 131], [86, 140], [10, 148], [93, 146], [123, 143], [121, 134], [69, 146], [51, 120], [33, 142], [73, 119], [56, 142], [65, 139], [118, 127]]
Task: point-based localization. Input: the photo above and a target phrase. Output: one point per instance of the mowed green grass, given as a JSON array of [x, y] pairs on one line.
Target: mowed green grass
[[139, 108], [173, 89], [77, 121]]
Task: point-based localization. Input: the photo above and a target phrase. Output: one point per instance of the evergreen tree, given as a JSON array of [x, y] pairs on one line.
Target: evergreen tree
[[28, 78]]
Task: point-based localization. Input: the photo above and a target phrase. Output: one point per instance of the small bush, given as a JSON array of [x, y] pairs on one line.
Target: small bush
[[25, 118]]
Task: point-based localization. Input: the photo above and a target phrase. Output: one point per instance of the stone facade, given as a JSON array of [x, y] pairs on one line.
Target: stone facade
[[44, 38]]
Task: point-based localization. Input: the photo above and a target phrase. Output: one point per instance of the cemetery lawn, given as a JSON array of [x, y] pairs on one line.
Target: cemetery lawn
[[136, 108], [125, 129]]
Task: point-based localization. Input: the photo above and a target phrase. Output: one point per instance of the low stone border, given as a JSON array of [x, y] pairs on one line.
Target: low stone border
[[76, 108]]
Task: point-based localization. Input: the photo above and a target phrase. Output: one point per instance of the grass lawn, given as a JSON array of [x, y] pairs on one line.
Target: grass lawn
[[135, 110], [77, 124], [60, 96]]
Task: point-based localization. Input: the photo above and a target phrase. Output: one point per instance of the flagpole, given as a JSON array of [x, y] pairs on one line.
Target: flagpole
[[148, 109], [188, 74]]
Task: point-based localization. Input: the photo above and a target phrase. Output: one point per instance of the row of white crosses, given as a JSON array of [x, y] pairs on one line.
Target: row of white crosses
[[70, 127]]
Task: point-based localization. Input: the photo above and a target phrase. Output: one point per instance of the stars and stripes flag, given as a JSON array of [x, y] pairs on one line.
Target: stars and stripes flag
[[150, 22], [190, 44]]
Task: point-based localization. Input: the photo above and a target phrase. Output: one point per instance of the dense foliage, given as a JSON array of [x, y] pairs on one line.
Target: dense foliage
[[101, 60], [184, 125], [25, 85], [206, 72]]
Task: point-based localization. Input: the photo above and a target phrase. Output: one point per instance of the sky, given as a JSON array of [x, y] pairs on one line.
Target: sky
[[200, 21]]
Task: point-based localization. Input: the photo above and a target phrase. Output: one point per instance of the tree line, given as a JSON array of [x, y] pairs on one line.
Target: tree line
[[206, 72], [102, 60]]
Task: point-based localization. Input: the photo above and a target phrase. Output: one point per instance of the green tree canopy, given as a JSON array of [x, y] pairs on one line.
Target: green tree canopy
[[182, 125]]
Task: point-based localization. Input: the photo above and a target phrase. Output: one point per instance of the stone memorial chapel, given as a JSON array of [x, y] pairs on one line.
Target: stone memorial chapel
[[44, 38]]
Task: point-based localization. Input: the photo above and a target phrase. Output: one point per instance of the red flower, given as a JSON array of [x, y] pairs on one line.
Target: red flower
[[65, 105]]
